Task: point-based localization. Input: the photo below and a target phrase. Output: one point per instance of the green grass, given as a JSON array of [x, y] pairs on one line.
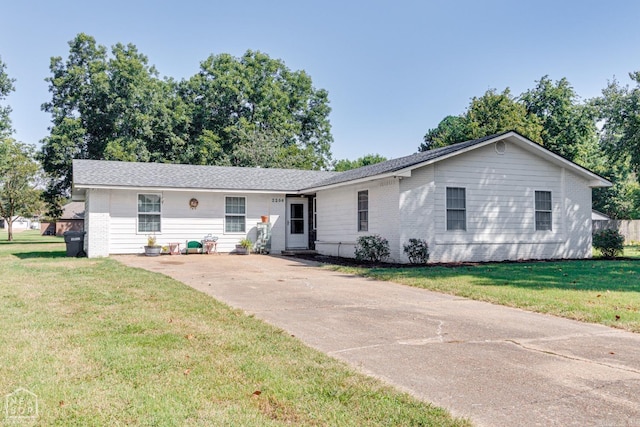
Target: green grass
[[104, 344], [596, 291], [632, 251]]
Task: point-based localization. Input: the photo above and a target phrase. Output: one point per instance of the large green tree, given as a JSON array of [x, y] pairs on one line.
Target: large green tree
[[240, 104], [108, 107], [489, 114], [568, 126], [618, 110], [18, 171], [500, 112], [249, 111]]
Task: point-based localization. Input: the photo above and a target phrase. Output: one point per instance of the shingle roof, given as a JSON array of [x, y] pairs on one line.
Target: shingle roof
[[400, 163], [73, 210], [166, 175]]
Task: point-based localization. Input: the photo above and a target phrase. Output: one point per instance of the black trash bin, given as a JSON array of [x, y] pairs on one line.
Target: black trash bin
[[75, 243]]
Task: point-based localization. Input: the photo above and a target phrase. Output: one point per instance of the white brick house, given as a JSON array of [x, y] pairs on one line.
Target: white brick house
[[502, 197]]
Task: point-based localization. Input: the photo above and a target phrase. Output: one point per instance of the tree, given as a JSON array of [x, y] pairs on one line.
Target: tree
[[103, 107], [249, 111], [500, 112], [236, 100], [568, 127], [619, 109], [450, 130], [489, 114], [6, 87], [18, 171], [369, 159], [79, 110], [17, 167]]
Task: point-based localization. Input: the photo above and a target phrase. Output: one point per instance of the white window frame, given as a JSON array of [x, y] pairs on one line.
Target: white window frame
[[138, 213], [545, 211], [237, 215], [314, 214], [454, 209], [358, 211]]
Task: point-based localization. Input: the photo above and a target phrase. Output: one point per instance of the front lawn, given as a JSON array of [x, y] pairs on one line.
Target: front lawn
[[597, 291], [632, 251], [104, 344]]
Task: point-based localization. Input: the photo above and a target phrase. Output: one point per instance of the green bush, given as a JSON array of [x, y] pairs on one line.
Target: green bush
[[417, 250], [373, 248], [609, 242]]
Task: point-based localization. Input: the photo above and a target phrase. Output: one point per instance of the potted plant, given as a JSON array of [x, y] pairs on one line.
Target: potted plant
[[244, 246], [152, 249]]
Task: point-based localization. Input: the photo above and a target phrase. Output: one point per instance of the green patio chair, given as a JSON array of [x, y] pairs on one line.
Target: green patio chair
[[193, 247]]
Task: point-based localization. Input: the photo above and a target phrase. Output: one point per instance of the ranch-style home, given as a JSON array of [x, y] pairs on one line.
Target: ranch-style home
[[502, 197]]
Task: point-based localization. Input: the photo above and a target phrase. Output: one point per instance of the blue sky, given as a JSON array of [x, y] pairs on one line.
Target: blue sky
[[393, 69]]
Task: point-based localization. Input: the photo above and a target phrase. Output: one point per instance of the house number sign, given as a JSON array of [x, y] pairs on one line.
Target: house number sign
[[277, 200]]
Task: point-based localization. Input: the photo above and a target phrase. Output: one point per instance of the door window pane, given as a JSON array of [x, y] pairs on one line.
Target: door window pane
[[296, 218]]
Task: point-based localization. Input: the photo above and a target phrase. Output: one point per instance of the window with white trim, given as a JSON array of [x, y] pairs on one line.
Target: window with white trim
[[235, 214], [456, 208], [363, 210], [149, 213], [544, 211], [314, 225]]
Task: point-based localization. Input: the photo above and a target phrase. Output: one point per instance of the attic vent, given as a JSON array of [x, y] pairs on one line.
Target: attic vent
[[501, 147]]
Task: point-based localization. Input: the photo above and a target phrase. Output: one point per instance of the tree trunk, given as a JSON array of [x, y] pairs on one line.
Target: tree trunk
[[9, 229]]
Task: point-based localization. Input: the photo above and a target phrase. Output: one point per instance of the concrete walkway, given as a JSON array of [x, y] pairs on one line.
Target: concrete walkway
[[495, 365]]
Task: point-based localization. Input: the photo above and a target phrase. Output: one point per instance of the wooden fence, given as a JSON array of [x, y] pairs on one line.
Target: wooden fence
[[630, 229]]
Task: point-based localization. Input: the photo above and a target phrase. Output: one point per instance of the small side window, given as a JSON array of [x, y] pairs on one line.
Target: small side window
[[544, 212], [363, 210], [456, 208]]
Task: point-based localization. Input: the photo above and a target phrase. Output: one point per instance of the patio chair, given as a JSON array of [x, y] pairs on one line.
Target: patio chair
[[193, 247]]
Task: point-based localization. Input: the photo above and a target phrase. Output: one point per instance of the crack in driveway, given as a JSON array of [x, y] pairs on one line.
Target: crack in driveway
[[570, 357]]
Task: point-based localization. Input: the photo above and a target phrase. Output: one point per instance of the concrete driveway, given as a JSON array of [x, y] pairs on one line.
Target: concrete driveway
[[495, 365]]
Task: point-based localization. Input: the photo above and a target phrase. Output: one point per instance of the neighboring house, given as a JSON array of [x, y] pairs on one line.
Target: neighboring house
[[18, 223], [599, 216], [501, 197], [72, 218]]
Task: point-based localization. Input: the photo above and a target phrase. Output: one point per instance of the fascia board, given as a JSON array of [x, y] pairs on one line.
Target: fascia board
[[404, 173], [167, 189]]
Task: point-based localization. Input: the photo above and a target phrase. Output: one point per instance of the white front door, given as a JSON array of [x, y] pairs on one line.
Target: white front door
[[297, 224]]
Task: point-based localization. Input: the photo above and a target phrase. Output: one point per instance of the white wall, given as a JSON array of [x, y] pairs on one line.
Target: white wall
[[20, 223], [417, 207], [500, 192], [338, 217], [97, 223], [179, 222]]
